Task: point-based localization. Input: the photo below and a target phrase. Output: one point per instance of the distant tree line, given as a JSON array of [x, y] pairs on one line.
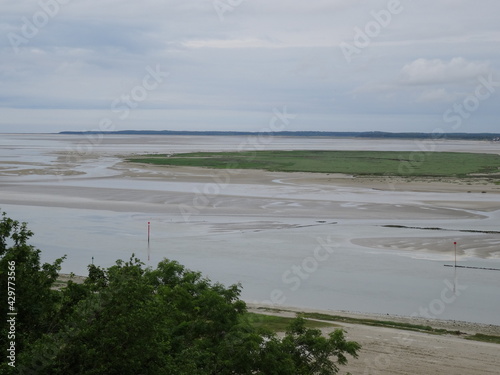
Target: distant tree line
[[371, 134]]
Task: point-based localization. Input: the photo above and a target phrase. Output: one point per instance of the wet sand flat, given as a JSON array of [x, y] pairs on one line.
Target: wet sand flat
[[323, 242], [236, 224]]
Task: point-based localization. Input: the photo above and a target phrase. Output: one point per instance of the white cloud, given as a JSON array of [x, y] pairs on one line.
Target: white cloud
[[436, 71]]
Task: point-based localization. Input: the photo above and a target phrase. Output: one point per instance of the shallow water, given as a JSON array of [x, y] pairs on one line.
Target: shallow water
[[286, 242]]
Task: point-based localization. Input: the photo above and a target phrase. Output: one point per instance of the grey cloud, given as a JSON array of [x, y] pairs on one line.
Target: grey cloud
[[261, 55]]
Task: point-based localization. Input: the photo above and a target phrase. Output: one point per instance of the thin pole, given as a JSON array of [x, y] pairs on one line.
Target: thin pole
[[454, 243], [455, 277], [149, 236]]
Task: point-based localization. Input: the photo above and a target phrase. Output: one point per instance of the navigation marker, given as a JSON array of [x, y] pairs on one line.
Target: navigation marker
[[455, 279], [149, 236]]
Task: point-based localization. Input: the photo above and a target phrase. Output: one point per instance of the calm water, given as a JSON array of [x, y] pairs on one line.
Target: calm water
[[294, 260]]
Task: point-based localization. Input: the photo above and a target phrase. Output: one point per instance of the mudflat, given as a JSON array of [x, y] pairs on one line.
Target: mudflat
[[389, 236]]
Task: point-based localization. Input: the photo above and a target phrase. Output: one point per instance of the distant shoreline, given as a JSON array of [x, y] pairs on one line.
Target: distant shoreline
[[365, 135]]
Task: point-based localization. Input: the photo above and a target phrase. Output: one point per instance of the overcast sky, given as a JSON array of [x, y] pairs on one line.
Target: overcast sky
[[332, 65]]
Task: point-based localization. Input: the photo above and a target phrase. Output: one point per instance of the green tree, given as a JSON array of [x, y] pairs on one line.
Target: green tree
[[128, 319], [30, 283], [306, 351]]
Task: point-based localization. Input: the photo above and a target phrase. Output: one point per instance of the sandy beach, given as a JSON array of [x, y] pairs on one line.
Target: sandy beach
[[395, 351]]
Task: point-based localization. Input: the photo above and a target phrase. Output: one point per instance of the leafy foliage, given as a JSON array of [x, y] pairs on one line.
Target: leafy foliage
[[35, 301], [128, 319]]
